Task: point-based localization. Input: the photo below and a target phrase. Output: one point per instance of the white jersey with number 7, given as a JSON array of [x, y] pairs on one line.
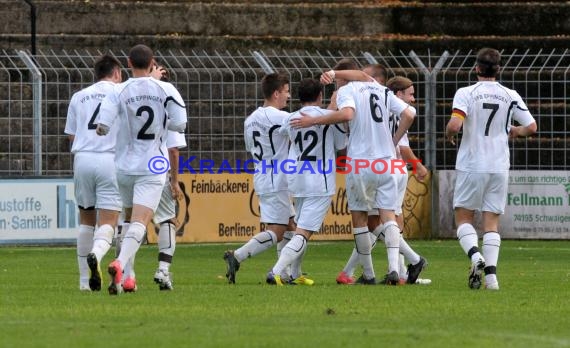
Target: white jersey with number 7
[[488, 109]]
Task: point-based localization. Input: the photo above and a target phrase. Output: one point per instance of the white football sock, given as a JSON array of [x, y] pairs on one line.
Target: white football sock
[[491, 246], [293, 250], [129, 268], [352, 262], [166, 245], [84, 245], [403, 272], [280, 245], [256, 245], [102, 240], [131, 242], [120, 236], [296, 270], [469, 241], [408, 252], [286, 238], [392, 241], [364, 249]]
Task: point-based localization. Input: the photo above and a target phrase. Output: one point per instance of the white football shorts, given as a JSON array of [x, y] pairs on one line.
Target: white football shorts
[[369, 190], [481, 191], [166, 209], [402, 186], [311, 211], [144, 190], [275, 207], [95, 181]]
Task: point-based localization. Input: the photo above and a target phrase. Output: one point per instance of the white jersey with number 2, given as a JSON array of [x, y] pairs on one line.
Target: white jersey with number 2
[[144, 105]]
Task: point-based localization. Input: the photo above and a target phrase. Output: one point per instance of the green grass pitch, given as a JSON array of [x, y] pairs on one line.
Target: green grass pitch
[[41, 306]]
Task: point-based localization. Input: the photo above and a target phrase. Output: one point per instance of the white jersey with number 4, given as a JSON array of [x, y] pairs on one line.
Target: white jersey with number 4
[[269, 148], [83, 110], [314, 151], [143, 105], [370, 135], [488, 108]]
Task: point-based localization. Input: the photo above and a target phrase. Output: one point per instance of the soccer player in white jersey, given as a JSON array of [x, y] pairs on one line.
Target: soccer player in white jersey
[[366, 106], [145, 108], [379, 73], [312, 180], [485, 111], [269, 149], [165, 218], [165, 215], [96, 191], [404, 89]]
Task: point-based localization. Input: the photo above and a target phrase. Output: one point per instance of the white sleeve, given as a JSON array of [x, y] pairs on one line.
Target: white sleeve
[[175, 139], [71, 122], [246, 139], [176, 110], [110, 108], [285, 127], [460, 100], [396, 105], [340, 137], [344, 98], [521, 113]]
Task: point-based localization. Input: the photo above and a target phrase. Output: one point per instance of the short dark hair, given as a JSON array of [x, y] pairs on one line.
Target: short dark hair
[[272, 83], [141, 57], [488, 61], [346, 64], [377, 71], [105, 65], [166, 76], [399, 83], [309, 90]]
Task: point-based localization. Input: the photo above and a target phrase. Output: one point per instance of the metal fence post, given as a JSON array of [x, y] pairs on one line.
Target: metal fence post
[[430, 105], [263, 63], [430, 131], [37, 109], [369, 58]]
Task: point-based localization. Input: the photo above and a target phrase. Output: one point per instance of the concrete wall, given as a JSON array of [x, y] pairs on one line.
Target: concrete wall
[[338, 25]]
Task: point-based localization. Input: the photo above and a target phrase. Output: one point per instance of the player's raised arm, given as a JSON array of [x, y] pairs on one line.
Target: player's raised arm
[[108, 112], [305, 121], [328, 77]]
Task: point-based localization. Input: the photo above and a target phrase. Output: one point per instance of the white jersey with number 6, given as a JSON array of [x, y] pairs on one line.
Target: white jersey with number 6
[[144, 106], [487, 108], [370, 135], [269, 148], [83, 110]]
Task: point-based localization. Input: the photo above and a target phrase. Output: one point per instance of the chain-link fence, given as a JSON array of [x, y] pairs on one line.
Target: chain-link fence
[[222, 88]]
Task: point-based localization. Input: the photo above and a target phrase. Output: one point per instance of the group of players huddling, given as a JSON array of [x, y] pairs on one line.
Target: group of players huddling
[[118, 127]]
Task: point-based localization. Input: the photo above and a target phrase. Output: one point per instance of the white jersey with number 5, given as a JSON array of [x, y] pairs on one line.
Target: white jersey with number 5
[[144, 105], [487, 108], [269, 148], [83, 110], [370, 135]]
